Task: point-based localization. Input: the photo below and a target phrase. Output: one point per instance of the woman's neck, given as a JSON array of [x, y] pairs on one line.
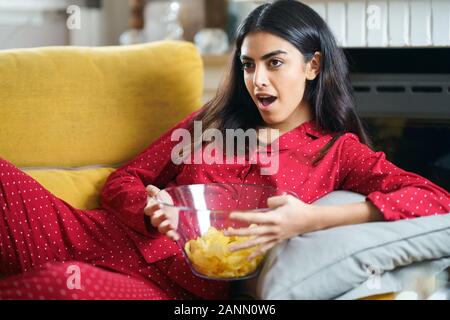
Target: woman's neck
[[269, 133]]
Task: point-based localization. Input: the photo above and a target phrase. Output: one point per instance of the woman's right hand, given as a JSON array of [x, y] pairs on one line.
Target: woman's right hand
[[166, 221]]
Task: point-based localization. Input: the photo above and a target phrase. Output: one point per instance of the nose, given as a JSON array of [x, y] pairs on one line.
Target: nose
[[260, 77]]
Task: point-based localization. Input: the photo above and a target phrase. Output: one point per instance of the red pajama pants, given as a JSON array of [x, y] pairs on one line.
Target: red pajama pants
[[50, 250]]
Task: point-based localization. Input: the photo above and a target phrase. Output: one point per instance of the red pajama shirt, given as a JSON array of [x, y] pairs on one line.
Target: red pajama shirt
[[120, 256], [348, 165]]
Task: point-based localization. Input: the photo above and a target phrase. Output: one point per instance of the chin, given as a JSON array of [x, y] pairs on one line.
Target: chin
[[272, 121]]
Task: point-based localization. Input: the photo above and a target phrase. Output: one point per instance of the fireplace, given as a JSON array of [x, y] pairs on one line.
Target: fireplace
[[403, 96]]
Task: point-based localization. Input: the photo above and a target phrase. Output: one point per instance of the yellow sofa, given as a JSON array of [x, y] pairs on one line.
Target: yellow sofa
[[70, 115]]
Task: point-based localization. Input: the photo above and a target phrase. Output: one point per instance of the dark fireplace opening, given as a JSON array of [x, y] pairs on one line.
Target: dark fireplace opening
[[417, 145], [403, 96]]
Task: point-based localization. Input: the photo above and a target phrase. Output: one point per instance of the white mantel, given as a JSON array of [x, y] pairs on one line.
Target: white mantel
[[34, 5], [387, 23]]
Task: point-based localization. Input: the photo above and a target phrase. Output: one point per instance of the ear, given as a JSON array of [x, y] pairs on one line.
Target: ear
[[313, 66]]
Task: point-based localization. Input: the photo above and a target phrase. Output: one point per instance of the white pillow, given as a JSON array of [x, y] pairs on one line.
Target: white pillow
[[354, 261]]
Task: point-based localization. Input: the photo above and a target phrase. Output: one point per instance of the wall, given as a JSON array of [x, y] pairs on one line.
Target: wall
[[32, 23], [115, 20]]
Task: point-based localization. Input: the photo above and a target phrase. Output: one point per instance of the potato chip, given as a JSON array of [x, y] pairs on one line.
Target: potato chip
[[210, 256]]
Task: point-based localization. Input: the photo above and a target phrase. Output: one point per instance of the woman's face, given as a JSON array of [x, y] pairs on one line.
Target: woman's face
[[275, 75]]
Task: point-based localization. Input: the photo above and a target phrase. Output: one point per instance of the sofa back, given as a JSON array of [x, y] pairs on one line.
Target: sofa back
[[77, 106], [70, 115]]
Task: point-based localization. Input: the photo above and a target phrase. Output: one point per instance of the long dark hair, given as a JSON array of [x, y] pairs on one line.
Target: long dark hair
[[330, 94]]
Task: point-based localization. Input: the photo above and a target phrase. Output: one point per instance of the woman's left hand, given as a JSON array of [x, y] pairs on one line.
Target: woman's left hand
[[289, 217]]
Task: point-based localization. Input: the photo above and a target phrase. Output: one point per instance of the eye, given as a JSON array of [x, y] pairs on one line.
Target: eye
[[246, 65], [275, 63]]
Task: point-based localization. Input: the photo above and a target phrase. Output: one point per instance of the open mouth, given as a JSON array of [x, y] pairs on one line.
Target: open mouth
[[265, 101]]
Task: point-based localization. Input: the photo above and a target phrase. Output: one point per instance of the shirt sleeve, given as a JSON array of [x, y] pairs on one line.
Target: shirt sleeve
[[124, 193], [397, 193]]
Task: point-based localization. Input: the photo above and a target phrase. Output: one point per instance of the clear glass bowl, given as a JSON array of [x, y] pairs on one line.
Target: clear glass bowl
[[203, 213]]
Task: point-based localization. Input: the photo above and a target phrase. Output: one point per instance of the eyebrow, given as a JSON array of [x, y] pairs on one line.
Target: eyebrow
[[266, 56]]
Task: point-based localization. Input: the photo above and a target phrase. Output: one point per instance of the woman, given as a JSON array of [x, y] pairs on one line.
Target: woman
[[287, 76]]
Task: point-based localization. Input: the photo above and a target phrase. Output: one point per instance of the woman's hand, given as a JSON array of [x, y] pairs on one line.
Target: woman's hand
[[289, 217], [164, 219]]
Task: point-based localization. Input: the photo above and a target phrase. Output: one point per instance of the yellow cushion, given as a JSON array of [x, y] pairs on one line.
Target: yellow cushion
[[77, 106], [78, 187], [71, 107]]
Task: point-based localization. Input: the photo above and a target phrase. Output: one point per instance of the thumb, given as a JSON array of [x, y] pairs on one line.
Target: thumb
[[277, 201], [152, 190]]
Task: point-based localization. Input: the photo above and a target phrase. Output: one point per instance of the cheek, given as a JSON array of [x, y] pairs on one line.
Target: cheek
[[294, 87], [248, 84]]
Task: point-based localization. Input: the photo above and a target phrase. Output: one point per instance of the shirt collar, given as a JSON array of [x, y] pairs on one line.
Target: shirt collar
[[293, 138], [307, 130], [310, 128]]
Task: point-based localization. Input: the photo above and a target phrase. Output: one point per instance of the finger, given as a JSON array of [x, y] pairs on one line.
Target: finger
[[157, 218], [152, 190], [165, 226], [251, 217], [250, 243], [165, 196], [252, 231], [151, 208], [277, 201], [151, 200], [172, 234], [262, 250]]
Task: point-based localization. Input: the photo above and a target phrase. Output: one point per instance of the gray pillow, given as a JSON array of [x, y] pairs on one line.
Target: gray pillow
[[356, 261]]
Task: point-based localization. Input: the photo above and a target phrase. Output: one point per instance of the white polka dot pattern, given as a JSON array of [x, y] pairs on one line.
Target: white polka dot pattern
[[39, 234]]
